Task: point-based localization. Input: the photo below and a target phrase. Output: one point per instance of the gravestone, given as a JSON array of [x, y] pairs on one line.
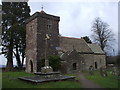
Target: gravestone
[[91, 70], [103, 72], [115, 71]]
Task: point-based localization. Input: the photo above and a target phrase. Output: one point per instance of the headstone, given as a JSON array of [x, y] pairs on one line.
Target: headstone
[[115, 71], [91, 70], [103, 72]]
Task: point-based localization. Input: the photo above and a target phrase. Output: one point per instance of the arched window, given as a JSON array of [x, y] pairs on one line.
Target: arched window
[[31, 66], [95, 65], [74, 66]]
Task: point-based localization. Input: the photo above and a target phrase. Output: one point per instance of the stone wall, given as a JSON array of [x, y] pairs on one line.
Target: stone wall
[[89, 60], [31, 44], [37, 26], [101, 61], [72, 62], [47, 25]]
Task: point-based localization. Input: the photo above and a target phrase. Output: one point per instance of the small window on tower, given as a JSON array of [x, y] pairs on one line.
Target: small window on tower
[[49, 24], [31, 27]]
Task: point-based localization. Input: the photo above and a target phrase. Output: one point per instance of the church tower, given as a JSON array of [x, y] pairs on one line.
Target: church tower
[[37, 26]]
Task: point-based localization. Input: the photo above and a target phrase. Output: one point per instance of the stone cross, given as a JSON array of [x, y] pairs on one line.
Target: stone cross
[[42, 7], [46, 44], [46, 68]]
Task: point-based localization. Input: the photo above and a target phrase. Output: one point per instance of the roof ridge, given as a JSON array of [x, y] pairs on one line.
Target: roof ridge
[[93, 47], [89, 47], [70, 37]]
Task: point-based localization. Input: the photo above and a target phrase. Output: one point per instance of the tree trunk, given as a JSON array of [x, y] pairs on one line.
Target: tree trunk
[[22, 59], [9, 66], [18, 58]]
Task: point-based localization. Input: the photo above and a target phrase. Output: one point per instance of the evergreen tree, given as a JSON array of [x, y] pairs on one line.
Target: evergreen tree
[[54, 62], [13, 31], [87, 39]]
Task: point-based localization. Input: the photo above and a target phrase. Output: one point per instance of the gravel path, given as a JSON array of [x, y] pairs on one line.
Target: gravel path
[[87, 83]]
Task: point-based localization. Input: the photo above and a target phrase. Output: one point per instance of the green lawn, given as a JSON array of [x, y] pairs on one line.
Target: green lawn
[[107, 82], [10, 80], [76, 75]]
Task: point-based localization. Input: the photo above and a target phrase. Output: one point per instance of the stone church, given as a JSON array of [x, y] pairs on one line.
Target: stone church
[[76, 55]]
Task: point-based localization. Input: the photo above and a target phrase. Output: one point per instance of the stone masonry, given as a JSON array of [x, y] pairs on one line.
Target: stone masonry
[[37, 26]]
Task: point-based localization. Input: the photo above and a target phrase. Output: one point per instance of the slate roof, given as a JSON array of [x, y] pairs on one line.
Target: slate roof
[[96, 49], [67, 44], [70, 43]]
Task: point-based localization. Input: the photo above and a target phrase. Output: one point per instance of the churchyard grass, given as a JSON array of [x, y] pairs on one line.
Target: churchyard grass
[[76, 75], [10, 80], [109, 81]]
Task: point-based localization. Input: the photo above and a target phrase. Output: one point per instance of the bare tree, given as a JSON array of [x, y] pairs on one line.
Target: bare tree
[[102, 34]]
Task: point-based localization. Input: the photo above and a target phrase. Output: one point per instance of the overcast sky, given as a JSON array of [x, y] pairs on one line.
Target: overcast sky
[[76, 17]]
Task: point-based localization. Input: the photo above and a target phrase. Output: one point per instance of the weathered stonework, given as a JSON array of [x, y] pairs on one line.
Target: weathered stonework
[[84, 55], [31, 46], [89, 58], [73, 62], [75, 53], [100, 60], [37, 26]]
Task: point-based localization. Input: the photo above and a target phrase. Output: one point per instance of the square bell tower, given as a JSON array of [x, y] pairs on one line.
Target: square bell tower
[[37, 26]]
